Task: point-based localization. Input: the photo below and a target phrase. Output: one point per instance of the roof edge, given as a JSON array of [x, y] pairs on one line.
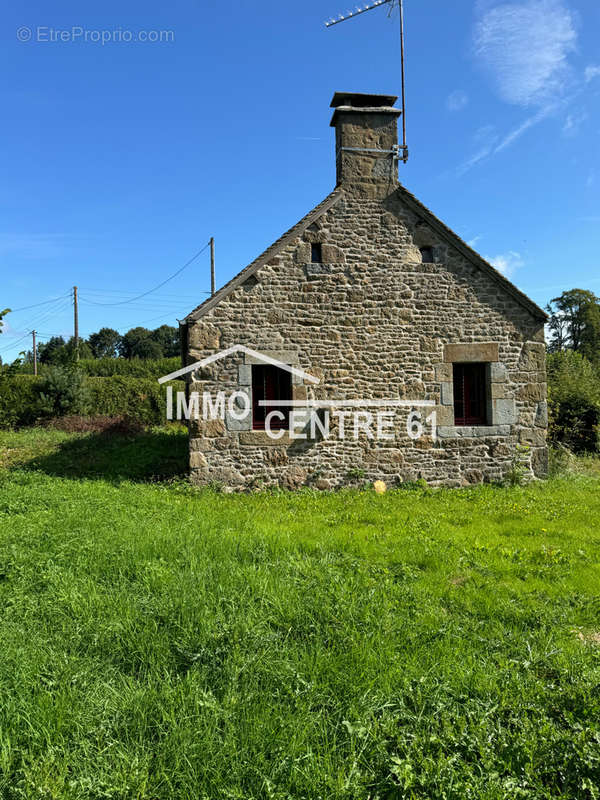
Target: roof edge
[[269, 253], [468, 252]]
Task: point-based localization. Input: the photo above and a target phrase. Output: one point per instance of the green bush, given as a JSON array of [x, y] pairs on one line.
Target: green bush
[[107, 367], [139, 399], [19, 400], [62, 390], [132, 367], [573, 402]]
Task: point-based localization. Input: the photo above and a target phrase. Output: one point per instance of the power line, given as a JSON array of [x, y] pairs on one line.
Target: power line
[[52, 313], [160, 316], [35, 324], [62, 305], [174, 275], [144, 305], [125, 292], [35, 305], [10, 347]]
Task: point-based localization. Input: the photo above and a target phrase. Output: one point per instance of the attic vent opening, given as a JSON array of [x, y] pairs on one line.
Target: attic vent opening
[[316, 253], [426, 255]]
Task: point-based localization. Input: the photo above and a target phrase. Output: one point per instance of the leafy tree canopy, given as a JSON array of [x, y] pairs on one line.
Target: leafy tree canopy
[[574, 323], [105, 343], [167, 337], [47, 351], [131, 344], [2, 315]]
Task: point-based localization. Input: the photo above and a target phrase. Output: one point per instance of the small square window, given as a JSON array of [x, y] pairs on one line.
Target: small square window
[[470, 394], [426, 255], [316, 255], [270, 383]]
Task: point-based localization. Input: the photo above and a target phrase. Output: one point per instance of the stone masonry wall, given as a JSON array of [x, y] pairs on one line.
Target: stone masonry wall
[[373, 321]]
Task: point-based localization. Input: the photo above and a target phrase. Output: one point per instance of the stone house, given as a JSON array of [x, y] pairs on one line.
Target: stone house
[[370, 298]]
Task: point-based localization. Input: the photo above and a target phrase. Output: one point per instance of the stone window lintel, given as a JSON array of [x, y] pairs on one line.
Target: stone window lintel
[[472, 352]]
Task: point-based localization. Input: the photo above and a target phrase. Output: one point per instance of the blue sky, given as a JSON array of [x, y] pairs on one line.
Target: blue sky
[[119, 161]]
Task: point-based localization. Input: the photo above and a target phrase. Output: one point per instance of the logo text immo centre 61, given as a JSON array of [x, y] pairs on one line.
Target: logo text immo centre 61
[[300, 419]]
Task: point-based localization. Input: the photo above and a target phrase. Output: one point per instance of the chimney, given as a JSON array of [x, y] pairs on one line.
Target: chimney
[[366, 142]]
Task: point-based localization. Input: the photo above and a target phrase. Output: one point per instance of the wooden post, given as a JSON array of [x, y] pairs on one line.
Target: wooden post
[[212, 265], [76, 323], [34, 354]]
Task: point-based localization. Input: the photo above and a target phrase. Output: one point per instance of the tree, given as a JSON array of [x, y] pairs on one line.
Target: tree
[[148, 349], [573, 401], [143, 343], [167, 337], [67, 354], [48, 352], [63, 391], [2, 315], [575, 323], [105, 343], [60, 353], [131, 345]]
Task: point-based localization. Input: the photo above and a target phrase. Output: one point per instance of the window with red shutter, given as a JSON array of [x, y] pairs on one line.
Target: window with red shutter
[[470, 394], [270, 383]]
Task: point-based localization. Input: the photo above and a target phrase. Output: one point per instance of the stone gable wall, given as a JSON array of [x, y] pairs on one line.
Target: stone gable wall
[[373, 321]]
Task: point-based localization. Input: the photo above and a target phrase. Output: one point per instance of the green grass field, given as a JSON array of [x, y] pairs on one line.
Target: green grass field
[[161, 642]]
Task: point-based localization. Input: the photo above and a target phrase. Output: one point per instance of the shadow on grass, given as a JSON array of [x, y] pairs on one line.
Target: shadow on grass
[[146, 456]]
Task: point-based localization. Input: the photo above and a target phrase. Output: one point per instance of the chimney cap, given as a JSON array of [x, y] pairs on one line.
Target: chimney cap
[[362, 100]]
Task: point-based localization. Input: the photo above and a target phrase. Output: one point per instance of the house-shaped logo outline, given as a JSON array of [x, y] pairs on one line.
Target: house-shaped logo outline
[[239, 348]]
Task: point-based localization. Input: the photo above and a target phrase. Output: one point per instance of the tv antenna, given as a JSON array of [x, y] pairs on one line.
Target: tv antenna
[[370, 7]]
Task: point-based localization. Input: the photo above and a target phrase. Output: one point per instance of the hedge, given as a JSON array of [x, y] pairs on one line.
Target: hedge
[[132, 367], [140, 399], [107, 367], [573, 402], [19, 400]]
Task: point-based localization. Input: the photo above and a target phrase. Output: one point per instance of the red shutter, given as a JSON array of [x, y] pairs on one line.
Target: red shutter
[[270, 383], [470, 396]]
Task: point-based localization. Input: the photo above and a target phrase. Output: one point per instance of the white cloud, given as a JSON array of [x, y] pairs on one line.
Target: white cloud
[[517, 132], [591, 72], [525, 47], [506, 263], [472, 242], [573, 122], [457, 100], [484, 143]]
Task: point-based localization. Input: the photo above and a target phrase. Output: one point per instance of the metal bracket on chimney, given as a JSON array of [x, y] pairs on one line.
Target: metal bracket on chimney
[[395, 151]]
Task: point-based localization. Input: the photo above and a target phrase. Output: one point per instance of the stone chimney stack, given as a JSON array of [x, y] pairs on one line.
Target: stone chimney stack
[[366, 142]]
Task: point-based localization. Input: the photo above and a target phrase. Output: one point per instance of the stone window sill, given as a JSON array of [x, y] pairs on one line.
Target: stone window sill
[[262, 439], [471, 431]]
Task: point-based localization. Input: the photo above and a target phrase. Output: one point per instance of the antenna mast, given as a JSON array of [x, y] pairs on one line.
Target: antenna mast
[[369, 7]]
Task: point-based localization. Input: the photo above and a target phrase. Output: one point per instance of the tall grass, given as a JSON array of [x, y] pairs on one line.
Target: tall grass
[[160, 642]]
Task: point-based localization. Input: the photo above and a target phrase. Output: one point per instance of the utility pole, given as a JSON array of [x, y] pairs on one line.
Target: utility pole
[[212, 265], [76, 323], [34, 354]]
